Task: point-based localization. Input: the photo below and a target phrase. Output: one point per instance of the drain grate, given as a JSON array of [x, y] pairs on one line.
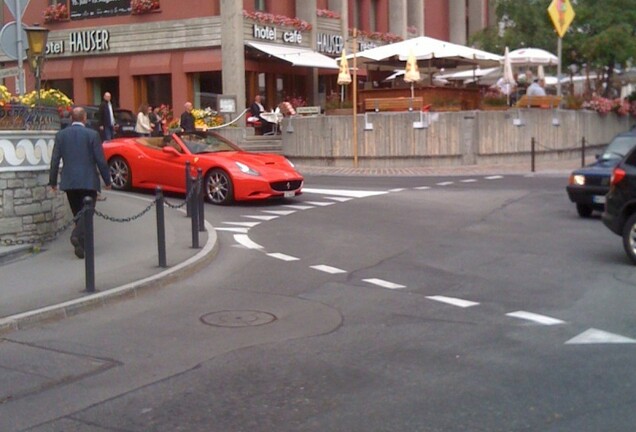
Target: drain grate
[[238, 318]]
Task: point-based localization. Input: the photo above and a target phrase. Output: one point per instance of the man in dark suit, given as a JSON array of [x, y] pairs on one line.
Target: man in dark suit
[[81, 151], [256, 109], [187, 118], [106, 118]]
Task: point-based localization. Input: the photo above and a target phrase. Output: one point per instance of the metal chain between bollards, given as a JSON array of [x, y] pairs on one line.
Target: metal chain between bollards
[[193, 189], [126, 219], [45, 238]]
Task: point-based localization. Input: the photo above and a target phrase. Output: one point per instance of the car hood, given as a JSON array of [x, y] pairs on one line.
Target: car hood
[[257, 161], [600, 167]]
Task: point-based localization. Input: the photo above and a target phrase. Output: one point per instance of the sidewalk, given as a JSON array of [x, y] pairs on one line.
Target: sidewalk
[[50, 283]]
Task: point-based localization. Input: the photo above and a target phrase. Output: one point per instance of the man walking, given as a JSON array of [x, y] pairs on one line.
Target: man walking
[[106, 118], [81, 151]]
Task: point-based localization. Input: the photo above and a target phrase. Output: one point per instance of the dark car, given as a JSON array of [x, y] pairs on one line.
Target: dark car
[[588, 186], [620, 203], [125, 120]]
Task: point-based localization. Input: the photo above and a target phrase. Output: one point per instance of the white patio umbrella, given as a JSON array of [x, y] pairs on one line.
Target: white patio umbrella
[[532, 57], [508, 76], [411, 72], [540, 72], [344, 76]]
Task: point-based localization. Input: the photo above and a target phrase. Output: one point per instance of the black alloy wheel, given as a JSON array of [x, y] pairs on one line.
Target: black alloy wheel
[[629, 238]]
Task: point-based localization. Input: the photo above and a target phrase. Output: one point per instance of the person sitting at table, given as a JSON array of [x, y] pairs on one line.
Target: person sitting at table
[[256, 109], [536, 88], [286, 108]]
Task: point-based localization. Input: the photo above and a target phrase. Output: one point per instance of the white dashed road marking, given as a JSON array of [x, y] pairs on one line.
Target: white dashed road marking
[[396, 190], [383, 283], [328, 269], [232, 229], [339, 199], [320, 203], [496, 177], [283, 257], [594, 336], [299, 207], [243, 224], [453, 301], [540, 319], [244, 240], [261, 217], [342, 192], [447, 183], [423, 188], [469, 181], [280, 212]]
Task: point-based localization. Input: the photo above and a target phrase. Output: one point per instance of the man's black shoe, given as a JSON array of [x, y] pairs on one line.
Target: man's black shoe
[[75, 241], [79, 251]]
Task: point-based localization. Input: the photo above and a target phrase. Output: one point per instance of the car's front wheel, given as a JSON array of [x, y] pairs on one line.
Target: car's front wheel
[[218, 187], [584, 210], [120, 173], [629, 237]]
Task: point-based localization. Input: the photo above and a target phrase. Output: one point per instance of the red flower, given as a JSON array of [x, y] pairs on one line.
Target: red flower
[[144, 6], [55, 12]]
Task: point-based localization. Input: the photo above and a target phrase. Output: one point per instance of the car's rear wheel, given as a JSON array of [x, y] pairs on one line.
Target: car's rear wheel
[[218, 187], [584, 210], [120, 173], [629, 237]]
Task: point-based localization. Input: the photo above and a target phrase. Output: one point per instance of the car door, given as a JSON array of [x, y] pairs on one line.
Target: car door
[[164, 167]]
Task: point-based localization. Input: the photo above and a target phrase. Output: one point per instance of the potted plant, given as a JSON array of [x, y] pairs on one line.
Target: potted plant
[[334, 106], [55, 13], [138, 7], [494, 101]]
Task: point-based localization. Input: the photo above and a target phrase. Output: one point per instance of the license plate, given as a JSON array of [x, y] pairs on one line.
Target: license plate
[[289, 194], [598, 199]]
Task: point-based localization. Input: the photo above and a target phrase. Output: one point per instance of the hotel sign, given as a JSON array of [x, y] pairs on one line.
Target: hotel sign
[[333, 44], [88, 41], [268, 33]]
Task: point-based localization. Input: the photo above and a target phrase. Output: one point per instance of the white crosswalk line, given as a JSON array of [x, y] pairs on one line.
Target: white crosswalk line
[[383, 283], [299, 207], [540, 319], [595, 336], [453, 301], [339, 199], [328, 269]]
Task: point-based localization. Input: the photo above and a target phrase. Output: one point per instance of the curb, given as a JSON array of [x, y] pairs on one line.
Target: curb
[[70, 308]]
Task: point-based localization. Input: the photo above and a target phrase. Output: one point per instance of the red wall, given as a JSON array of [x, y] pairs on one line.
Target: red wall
[[436, 19]]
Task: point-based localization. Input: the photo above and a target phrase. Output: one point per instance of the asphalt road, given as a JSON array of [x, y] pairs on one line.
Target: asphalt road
[[367, 304]]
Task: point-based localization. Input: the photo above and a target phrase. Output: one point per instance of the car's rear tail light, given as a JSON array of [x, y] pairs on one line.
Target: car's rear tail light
[[617, 176]]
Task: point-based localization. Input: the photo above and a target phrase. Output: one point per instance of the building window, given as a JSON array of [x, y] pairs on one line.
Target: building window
[[259, 5]]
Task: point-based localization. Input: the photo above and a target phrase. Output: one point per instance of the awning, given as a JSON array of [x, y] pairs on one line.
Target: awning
[[58, 69], [297, 56], [101, 66], [202, 60], [150, 64]]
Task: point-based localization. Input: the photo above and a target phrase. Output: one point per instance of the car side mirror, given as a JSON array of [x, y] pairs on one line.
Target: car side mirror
[[170, 151]]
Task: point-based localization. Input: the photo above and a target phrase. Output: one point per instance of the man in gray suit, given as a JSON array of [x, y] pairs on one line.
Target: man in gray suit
[[81, 150]]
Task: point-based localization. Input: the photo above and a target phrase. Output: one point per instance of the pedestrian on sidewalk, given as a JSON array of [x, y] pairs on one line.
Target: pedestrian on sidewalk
[[81, 151]]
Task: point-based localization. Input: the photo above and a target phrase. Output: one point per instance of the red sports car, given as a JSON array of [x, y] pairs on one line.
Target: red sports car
[[229, 173]]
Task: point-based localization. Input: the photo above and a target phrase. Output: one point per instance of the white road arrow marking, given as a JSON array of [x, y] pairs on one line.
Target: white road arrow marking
[[541, 319], [283, 257], [453, 301], [594, 336], [328, 269], [342, 192], [383, 283], [244, 240]]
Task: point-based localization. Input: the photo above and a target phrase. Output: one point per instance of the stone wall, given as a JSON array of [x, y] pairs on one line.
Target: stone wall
[[388, 139], [29, 210]]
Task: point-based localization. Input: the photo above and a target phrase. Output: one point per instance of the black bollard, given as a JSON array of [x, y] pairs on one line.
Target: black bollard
[[201, 200], [532, 155], [194, 219], [583, 151], [188, 185], [161, 228], [89, 244]]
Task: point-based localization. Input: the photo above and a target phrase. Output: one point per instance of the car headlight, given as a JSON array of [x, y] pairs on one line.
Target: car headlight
[[246, 170], [577, 179]]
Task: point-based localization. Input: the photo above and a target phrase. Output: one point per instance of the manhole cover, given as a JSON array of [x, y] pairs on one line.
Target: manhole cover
[[241, 318]]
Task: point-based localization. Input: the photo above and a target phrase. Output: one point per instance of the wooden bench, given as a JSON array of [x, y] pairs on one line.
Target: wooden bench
[[308, 110], [538, 101], [393, 104]]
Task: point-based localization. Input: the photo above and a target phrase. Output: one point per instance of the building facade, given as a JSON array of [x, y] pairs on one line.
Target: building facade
[[170, 52]]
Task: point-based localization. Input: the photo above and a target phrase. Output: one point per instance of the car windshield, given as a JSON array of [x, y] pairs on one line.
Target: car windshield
[[619, 147], [125, 116], [207, 143]]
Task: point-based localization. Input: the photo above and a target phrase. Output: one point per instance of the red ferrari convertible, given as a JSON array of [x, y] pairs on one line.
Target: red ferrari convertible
[[229, 173]]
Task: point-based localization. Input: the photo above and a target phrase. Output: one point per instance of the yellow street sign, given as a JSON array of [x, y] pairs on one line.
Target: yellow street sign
[[562, 14]]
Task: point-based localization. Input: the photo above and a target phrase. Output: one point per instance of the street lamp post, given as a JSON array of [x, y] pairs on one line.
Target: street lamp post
[[37, 38]]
